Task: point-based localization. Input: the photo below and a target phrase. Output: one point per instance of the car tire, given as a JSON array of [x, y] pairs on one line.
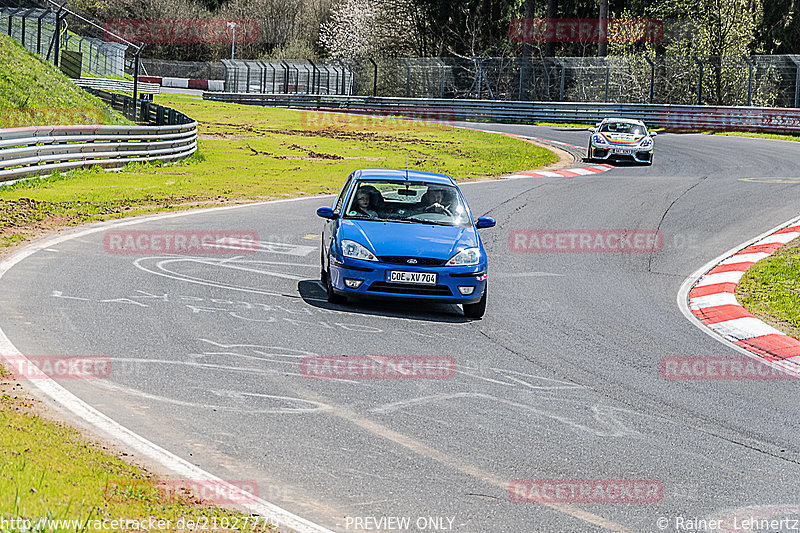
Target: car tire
[[333, 298], [323, 275], [476, 310], [589, 157]]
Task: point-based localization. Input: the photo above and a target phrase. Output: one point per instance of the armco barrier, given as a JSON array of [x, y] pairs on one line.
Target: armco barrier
[[44, 149], [673, 117], [110, 84]]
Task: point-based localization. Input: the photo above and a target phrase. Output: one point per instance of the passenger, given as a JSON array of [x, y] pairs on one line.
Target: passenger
[[364, 204]]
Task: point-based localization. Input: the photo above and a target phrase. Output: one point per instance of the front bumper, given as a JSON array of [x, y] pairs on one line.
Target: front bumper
[[374, 281], [605, 153]]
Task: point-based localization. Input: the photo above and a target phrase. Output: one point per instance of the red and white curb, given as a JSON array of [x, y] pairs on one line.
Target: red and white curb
[[563, 173], [708, 298]]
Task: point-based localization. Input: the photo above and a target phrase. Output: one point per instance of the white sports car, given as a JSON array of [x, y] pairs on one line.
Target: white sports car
[[621, 139]]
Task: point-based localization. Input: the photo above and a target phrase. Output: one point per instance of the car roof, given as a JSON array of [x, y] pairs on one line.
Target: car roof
[[394, 174], [627, 120]]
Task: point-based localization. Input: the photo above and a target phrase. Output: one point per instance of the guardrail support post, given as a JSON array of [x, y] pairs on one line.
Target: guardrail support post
[[699, 80]]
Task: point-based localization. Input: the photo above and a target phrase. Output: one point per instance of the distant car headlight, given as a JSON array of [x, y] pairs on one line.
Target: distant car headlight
[[647, 143], [468, 257], [599, 139], [357, 251]]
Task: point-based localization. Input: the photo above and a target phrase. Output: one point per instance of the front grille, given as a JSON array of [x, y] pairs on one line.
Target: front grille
[[399, 288], [403, 260]]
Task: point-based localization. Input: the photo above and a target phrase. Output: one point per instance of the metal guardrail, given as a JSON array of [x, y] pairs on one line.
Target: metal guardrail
[[672, 117], [44, 149], [110, 84]]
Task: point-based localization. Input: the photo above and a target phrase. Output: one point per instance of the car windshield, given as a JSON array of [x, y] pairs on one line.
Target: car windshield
[[622, 127], [407, 201]]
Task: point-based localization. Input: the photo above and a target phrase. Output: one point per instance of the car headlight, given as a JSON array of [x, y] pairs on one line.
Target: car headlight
[[468, 257], [356, 251], [647, 143], [599, 139]]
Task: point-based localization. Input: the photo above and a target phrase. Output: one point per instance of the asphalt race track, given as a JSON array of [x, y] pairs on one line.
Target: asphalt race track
[[560, 379]]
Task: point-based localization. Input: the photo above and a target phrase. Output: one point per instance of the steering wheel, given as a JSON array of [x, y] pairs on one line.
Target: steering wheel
[[439, 206]]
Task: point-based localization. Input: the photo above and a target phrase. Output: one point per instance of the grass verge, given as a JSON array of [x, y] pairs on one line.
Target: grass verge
[[33, 92], [255, 153], [770, 289], [50, 472]]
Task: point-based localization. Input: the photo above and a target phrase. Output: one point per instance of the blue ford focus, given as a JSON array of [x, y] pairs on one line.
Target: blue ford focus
[[404, 234]]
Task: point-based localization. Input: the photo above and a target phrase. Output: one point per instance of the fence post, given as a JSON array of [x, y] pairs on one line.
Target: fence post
[[314, 76], [608, 75], [285, 76], [408, 77], [374, 77], [563, 81], [796, 80], [441, 77], [58, 32], [749, 80], [136, 64], [699, 80], [652, 77]]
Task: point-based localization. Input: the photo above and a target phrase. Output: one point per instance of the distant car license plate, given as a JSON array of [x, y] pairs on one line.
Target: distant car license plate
[[420, 278], [622, 151]]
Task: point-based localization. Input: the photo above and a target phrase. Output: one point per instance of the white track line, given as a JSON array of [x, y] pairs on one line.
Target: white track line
[[130, 440]]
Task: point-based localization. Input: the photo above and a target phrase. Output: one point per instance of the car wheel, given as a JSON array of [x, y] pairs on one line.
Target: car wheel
[[332, 296], [476, 310], [323, 275]]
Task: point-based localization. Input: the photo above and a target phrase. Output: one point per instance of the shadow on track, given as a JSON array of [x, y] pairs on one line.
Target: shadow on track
[[311, 293]]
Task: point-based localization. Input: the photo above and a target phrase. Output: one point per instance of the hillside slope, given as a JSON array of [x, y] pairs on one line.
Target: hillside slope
[[35, 93]]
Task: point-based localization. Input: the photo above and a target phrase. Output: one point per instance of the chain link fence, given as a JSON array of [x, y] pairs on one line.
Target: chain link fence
[[198, 70], [79, 40], [768, 81], [288, 76]]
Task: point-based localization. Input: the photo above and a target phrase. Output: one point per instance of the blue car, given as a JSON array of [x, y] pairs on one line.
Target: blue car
[[404, 234]]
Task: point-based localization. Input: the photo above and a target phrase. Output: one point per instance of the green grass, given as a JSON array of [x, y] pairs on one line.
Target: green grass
[[786, 137], [254, 153], [770, 289], [49, 471], [33, 92]]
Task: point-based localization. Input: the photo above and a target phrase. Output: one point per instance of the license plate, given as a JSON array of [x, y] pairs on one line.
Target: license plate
[[419, 278], [622, 151]]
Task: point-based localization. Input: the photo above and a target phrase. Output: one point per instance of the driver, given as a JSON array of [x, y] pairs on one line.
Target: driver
[[433, 202]]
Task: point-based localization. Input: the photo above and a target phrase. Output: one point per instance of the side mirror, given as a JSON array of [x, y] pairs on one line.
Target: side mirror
[[653, 133], [326, 212], [485, 222], [593, 129]]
